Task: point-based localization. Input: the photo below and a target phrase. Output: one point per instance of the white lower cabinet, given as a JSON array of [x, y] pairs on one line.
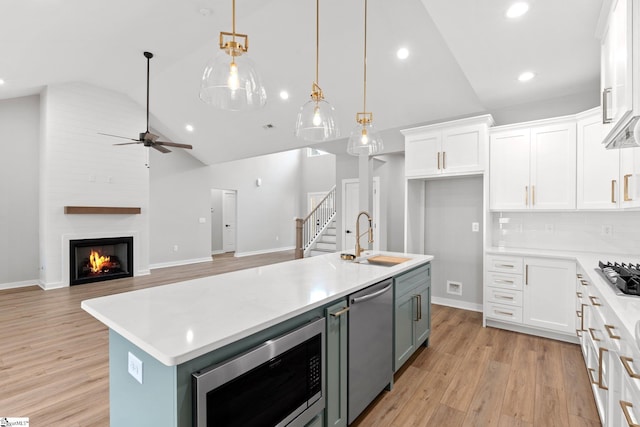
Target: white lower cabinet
[[533, 292]]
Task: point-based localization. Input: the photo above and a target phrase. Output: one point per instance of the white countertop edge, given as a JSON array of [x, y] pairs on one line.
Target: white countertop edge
[[182, 357]]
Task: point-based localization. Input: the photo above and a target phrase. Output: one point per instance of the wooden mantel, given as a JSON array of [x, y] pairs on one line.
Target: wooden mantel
[[108, 210]]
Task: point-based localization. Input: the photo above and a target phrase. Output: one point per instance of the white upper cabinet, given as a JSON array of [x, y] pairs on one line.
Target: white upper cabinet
[[533, 166], [451, 148], [616, 62]]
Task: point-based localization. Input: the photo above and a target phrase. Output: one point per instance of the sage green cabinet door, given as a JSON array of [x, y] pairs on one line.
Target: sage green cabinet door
[[405, 317], [336, 365], [423, 324]]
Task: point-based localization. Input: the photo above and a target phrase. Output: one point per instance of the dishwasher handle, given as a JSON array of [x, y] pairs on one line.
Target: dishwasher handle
[[371, 296]]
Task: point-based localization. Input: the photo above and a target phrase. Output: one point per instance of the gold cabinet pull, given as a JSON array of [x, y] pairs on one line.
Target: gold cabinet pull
[[526, 195], [438, 160], [339, 313], [526, 274], [417, 298], [533, 195], [579, 294], [505, 266], [503, 281], [594, 301], [601, 351], [579, 276], [609, 328], [626, 362], [592, 376], [505, 297], [419, 307], [506, 313], [584, 283], [613, 191], [580, 314], [626, 188], [444, 160], [625, 410], [592, 332], [606, 92], [579, 333]]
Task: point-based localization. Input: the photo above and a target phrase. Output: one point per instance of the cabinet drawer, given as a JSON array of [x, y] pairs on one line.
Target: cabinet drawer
[[503, 296], [504, 312], [412, 279], [505, 281], [504, 264]]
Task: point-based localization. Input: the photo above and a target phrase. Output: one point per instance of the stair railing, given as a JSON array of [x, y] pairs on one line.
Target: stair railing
[[309, 229]]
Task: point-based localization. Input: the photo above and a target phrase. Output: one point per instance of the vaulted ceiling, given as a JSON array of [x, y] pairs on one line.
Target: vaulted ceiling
[[465, 56]]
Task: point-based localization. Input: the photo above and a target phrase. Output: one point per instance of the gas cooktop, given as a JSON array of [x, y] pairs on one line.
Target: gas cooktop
[[625, 277]]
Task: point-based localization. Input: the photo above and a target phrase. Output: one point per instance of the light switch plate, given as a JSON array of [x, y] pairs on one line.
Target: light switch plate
[[135, 367]]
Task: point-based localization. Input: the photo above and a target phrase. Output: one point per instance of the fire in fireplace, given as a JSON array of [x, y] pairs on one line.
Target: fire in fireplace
[[95, 260]]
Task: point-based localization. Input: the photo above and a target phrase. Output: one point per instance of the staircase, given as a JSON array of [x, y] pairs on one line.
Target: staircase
[[316, 234], [325, 243]]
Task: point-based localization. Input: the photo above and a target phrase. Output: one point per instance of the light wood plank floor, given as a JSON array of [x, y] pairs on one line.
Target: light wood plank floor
[[54, 365]]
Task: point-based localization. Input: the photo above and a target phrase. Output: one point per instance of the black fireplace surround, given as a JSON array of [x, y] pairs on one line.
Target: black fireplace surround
[[96, 260]]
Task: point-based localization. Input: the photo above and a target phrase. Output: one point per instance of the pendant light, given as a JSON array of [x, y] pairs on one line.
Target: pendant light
[[230, 80], [364, 139], [316, 120]]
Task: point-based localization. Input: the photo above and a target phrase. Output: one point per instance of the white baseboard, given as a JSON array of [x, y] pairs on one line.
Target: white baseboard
[[52, 285], [463, 305], [177, 263], [218, 252], [559, 336], [265, 251], [22, 284]]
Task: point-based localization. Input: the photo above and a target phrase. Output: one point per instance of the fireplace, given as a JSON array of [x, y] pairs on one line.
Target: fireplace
[[95, 260]]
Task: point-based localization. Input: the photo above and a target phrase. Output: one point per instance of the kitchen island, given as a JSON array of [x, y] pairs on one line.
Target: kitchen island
[[177, 329]]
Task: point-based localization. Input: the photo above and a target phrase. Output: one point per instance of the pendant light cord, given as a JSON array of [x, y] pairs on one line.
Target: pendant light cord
[[364, 109], [233, 25], [317, 38], [148, 62]]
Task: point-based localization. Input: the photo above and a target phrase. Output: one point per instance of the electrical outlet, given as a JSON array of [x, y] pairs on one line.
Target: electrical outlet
[[475, 227], [202, 220], [607, 230], [135, 367]]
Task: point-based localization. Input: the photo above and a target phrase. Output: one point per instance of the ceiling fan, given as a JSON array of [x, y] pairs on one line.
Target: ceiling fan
[[146, 137]]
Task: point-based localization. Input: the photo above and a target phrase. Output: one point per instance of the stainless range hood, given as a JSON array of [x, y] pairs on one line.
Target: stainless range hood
[[625, 136]]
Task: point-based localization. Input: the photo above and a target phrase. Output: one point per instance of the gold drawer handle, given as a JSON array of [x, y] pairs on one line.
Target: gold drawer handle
[[613, 191], [505, 265], [609, 328], [625, 410], [503, 312], [592, 376], [579, 333], [584, 283], [594, 301], [579, 294], [579, 276], [593, 335], [626, 362], [505, 297], [626, 188], [503, 281], [578, 313], [340, 313], [601, 351]]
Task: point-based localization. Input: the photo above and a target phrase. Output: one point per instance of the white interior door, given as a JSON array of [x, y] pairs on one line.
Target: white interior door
[[351, 208], [229, 221]]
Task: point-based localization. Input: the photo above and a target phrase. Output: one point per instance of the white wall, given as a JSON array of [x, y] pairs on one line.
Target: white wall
[[19, 175], [78, 167], [216, 221], [570, 231], [180, 195], [318, 176]]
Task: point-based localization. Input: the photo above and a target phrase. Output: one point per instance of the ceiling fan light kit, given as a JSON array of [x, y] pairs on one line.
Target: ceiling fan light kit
[[147, 138], [364, 139], [316, 121], [230, 80]]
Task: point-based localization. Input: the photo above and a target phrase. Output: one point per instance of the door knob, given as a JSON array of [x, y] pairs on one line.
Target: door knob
[[348, 231]]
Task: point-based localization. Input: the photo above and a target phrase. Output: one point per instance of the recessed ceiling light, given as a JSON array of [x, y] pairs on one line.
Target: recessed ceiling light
[[402, 53], [284, 94], [526, 76], [189, 128], [517, 9]]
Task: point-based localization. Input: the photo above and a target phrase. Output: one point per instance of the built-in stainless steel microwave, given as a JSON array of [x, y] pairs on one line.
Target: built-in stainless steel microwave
[[279, 383]]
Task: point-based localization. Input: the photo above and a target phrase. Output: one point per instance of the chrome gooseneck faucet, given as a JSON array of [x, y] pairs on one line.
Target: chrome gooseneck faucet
[[358, 235]]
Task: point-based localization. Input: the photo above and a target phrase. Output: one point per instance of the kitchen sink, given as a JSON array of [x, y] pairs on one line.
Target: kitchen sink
[[382, 260]]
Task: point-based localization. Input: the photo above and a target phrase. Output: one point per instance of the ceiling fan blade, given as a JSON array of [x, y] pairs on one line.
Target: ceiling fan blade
[[117, 136], [174, 144], [161, 149], [128, 143]]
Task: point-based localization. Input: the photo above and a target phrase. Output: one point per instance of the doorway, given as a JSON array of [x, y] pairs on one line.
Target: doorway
[[350, 210], [223, 221]]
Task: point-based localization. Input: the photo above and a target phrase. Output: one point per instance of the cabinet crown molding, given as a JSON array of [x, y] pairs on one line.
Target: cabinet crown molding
[[476, 120]]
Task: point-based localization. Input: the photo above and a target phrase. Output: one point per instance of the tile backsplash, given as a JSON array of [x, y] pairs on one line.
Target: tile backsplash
[[606, 232]]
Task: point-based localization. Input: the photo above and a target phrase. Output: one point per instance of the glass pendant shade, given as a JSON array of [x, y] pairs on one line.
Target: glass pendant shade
[[232, 83], [316, 121], [364, 140]]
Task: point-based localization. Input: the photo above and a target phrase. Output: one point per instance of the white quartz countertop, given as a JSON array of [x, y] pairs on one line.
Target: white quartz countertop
[[626, 308], [181, 321]]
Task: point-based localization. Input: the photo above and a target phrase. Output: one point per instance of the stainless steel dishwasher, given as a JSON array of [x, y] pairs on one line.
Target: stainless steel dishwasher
[[370, 345]]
